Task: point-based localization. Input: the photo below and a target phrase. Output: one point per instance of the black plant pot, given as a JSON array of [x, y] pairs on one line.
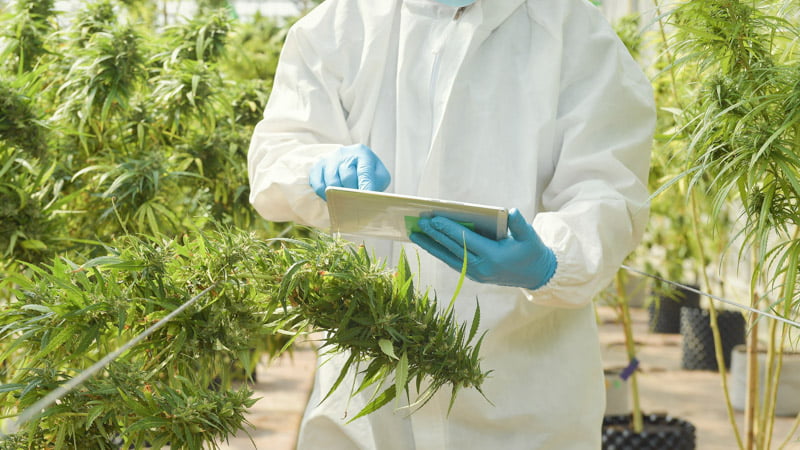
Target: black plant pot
[[661, 432], [698, 340], [665, 312]]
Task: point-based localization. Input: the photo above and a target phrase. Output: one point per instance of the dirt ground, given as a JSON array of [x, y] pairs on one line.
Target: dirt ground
[[696, 396]]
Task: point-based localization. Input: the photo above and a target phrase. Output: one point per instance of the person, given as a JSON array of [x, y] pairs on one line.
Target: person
[[534, 105]]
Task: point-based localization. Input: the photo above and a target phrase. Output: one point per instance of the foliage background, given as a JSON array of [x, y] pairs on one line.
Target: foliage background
[[122, 133]]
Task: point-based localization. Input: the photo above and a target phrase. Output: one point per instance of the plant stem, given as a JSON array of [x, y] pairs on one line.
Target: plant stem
[[789, 288], [774, 385], [774, 364], [767, 404], [670, 55], [751, 399], [774, 358], [627, 327], [791, 433], [718, 350]]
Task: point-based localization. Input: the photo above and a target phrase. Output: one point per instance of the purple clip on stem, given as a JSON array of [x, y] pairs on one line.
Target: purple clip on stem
[[628, 371]]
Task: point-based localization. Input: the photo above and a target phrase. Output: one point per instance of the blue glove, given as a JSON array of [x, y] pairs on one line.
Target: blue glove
[[520, 260], [354, 166]]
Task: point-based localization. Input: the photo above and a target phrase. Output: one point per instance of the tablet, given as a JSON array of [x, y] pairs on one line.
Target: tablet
[[394, 216]]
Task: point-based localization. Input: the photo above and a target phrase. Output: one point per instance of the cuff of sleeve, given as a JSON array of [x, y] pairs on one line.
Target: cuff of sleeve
[[551, 266], [280, 191], [563, 289]]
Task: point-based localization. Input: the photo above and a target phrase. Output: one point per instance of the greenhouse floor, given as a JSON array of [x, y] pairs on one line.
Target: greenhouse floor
[[695, 396]]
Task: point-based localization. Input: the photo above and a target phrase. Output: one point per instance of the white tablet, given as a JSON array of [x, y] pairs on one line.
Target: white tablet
[[395, 216]]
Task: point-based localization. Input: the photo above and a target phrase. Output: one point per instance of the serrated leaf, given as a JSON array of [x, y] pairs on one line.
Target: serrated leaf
[[401, 375], [39, 308], [57, 341], [17, 342], [385, 397], [453, 398], [102, 261], [11, 387], [288, 282], [461, 277], [476, 351], [33, 244], [387, 348], [476, 320], [35, 383], [93, 414], [145, 424], [342, 374], [376, 372]]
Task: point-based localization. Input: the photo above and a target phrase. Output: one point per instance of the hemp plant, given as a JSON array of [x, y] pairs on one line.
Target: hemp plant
[[377, 316], [135, 193], [30, 203], [21, 125], [68, 315], [26, 28], [255, 48], [742, 130], [147, 125], [100, 83]]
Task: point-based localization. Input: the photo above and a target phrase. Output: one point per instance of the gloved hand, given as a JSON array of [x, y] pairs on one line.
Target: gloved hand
[[520, 260], [354, 166]]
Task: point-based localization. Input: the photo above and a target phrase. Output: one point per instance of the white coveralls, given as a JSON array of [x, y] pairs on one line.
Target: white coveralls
[[532, 104]]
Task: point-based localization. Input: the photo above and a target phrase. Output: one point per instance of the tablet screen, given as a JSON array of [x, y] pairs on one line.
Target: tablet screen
[[395, 216]]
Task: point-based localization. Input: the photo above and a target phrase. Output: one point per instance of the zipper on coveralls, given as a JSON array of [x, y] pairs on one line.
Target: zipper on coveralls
[[437, 58], [437, 51]]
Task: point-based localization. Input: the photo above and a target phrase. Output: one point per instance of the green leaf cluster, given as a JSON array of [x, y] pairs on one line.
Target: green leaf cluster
[[742, 123], [667, 249], [376, 315], [67, 315], [145, 127], [26, 30], [30, 216]]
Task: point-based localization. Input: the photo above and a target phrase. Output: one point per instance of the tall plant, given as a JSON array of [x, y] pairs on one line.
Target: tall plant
[[27, 26], [147, 126], [743, 133], [30, 219]]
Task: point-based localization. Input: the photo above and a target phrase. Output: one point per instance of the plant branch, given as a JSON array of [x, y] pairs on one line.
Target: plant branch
[[718, 350]]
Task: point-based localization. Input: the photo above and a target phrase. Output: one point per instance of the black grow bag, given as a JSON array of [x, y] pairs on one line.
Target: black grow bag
[[661, 432], [665, 311], [698, 340]]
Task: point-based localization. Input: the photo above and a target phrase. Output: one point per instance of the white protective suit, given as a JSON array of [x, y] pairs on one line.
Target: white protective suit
[[532, 104]]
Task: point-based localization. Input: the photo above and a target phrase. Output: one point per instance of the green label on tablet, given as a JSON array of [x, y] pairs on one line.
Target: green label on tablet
[[412, 224]]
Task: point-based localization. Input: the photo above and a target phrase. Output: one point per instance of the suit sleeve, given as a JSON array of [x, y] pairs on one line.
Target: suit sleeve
[[303, 121], [595, 206]]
